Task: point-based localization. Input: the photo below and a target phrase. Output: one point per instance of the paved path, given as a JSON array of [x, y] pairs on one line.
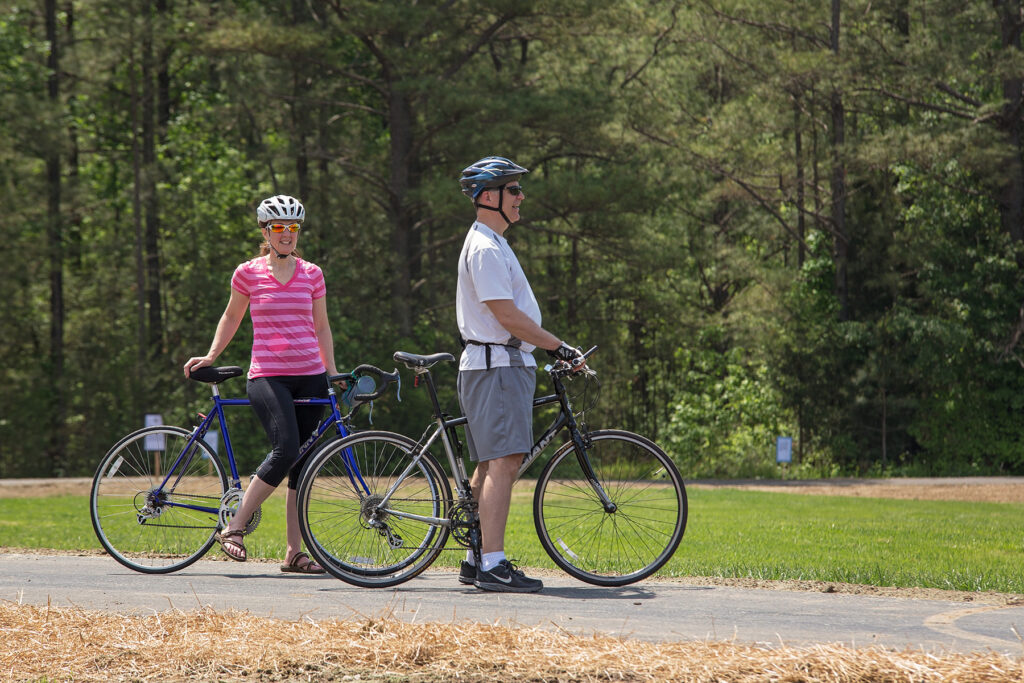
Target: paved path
[[649, 610]]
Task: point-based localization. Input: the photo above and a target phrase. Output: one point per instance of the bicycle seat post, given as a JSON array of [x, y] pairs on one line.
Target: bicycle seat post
[[428, 379]]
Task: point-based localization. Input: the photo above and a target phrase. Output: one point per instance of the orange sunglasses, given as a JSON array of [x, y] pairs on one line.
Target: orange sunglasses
[[281, 227]]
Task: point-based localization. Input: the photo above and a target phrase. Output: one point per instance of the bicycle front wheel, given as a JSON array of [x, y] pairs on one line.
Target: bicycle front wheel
[[627, 540], [154, 499], [349, 527]]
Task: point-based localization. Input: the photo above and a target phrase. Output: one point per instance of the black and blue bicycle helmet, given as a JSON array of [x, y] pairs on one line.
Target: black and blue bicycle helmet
[[487, 174]]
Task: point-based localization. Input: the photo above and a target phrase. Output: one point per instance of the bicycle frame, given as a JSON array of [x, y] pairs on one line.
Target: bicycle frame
[[445, 429], [191, 447]]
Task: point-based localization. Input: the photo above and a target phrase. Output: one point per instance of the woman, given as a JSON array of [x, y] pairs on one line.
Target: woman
[[292, 352]]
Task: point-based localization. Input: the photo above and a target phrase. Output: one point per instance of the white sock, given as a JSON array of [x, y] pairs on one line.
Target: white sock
[[470, 557], [491, 560]]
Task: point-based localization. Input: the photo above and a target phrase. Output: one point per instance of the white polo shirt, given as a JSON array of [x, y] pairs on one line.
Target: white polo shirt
[[490, 271]]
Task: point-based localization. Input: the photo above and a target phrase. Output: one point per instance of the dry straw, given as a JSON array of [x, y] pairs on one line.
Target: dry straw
[[49, 643]]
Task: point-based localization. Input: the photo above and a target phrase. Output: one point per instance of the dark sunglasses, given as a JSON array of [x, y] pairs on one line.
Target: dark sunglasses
[[281, 227], [514, 190]]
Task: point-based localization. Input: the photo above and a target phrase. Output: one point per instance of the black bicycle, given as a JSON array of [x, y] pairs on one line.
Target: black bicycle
[[376, 508]]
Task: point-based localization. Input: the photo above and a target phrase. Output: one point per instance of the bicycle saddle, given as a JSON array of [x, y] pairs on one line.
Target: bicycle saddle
[[215, 375], [413, 361]]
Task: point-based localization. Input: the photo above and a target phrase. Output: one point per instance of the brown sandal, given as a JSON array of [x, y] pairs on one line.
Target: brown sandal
[[225, 538], [297, 566]]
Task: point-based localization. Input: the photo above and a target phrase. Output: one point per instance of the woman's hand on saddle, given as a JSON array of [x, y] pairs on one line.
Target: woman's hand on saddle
[[197, 362]]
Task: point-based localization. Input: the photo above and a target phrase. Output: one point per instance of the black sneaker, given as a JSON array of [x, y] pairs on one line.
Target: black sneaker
[[505, 578], [467, 573]]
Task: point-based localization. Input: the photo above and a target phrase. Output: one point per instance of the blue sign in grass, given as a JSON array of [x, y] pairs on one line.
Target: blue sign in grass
[[784, 449]]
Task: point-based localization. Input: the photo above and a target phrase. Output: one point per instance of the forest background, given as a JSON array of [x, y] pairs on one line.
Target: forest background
[[774, 217]]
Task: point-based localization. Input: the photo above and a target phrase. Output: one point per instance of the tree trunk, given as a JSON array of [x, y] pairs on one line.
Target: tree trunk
[[72, 241], [137, 218], [801, 219], [154, 304], [572, 308], [55, 238], [1011, 195], [815, 167], [885, 427], [841, 239], [402, 238], [163, 70]]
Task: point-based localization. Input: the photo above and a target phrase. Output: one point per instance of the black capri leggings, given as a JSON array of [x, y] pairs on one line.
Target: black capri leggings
[[287, 424]]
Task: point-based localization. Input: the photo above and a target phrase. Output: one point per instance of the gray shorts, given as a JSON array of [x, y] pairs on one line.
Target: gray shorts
[[498, 404]]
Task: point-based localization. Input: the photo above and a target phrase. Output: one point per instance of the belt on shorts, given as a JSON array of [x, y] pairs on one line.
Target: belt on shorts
[[512, 343]]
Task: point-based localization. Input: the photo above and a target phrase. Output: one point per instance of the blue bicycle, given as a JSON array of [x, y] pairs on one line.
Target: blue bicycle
[[161, 493]]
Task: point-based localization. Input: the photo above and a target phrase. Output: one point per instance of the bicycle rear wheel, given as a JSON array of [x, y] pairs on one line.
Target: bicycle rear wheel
[[627, 542], [153, 511], [344, 523]]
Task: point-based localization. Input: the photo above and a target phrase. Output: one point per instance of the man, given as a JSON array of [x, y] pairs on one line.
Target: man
[[499, 321]]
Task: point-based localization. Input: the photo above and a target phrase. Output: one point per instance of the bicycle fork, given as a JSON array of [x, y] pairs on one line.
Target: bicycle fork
[[567, 420], [588, 470]]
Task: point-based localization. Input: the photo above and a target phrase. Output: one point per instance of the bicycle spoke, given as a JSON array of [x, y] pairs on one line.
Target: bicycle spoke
[[351, 530], [603, 547], [147, 529]]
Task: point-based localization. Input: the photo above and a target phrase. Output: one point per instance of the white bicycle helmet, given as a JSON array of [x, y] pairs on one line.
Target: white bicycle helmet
[[280, 207]]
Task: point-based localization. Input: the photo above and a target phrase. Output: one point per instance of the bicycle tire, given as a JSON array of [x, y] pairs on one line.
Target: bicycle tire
[[336, 512], [623, 546], [141, 530]]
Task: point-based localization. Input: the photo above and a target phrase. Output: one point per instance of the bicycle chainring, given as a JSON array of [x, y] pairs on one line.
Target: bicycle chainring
[[229, 503], [463, 519]]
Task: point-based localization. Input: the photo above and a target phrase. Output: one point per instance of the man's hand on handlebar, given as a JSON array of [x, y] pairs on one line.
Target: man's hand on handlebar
[[569, 355]]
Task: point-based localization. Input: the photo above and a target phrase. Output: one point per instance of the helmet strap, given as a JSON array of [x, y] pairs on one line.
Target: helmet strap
[[276, 252], [501, 203]]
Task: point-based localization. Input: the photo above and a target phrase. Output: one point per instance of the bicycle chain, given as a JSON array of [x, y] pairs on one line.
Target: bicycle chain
[[223, 513]]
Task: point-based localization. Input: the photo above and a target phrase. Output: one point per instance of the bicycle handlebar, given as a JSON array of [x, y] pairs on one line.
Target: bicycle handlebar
[[562, 367], [368, 371]]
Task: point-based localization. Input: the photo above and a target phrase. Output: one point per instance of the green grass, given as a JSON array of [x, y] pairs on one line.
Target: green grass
[[730, 533], [881, 542]]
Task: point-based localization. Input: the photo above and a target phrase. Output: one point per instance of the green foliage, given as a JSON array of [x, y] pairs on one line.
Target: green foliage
[[681, 212], [727, 420], [968, 416]]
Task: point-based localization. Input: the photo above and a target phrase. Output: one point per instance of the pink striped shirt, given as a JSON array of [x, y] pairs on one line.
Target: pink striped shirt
[[284, 339]]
